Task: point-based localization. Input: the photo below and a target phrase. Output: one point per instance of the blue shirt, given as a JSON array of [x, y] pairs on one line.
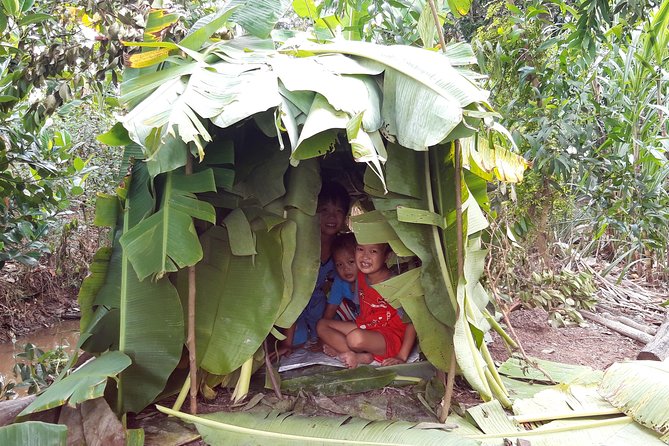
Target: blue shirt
[[341, 290], [305, 328]]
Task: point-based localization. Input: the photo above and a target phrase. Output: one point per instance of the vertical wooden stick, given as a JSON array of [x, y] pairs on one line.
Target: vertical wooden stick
[[448, 394], [270, 371], [190, 341], [440, 32], [450, 381]]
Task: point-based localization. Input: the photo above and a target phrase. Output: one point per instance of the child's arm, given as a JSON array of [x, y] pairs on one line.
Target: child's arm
[[405, 349], [330, 311]]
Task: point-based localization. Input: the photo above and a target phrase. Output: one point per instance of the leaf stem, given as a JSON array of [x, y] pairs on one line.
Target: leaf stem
[[261, 433], [531, 418], [555, 430], [437, 25]]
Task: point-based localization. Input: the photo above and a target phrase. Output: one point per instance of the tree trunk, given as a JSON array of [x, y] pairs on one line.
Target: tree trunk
[[658, 348], [619, 327], [543, 238], [11, 408], [649, 266]]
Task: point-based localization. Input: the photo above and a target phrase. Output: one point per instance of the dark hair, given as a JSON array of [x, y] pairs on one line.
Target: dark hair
[[345, 241], [332, 192]]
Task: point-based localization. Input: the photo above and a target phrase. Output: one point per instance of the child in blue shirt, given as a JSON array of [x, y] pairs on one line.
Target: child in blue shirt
[[343, 299], [333, 207]]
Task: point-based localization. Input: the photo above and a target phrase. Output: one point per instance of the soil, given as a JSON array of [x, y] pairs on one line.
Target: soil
[[591, 345], [31, 299]]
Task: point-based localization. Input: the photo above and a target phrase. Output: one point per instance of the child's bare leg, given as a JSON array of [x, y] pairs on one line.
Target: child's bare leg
[[363, 345], [333, 333], [353, 359], [366, 341]]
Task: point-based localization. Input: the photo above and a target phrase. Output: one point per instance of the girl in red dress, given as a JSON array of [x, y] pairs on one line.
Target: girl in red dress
[[378, 333]]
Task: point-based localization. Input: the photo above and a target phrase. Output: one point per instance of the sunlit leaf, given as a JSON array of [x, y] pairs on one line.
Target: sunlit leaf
[[640, 390], [86, 383], [274, 428]]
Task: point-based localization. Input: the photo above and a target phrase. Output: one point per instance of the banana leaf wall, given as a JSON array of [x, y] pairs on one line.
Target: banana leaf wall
[[258, 122]]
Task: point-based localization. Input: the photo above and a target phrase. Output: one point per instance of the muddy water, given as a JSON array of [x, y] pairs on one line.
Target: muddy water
[[65, 333]]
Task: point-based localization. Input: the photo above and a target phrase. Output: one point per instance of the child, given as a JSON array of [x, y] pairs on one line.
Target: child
[[333, 206], [378, 333], [343, 298]]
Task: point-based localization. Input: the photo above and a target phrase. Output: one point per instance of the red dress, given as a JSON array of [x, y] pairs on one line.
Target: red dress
[[378, 315]]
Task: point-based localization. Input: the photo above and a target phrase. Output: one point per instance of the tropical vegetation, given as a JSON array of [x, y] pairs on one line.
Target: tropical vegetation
[[234, 119]]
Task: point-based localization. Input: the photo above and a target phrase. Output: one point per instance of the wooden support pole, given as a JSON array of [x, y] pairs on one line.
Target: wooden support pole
[[450, 381], [190, 341]]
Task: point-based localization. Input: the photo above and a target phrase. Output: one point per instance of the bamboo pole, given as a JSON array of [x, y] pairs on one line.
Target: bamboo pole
[[440, 32], [190, 341], [450, 381]]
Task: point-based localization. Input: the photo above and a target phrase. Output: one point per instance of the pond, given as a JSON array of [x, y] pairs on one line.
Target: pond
[[63, 333]]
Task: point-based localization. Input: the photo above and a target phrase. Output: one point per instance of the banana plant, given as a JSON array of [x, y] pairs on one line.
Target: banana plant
[[142, 319]]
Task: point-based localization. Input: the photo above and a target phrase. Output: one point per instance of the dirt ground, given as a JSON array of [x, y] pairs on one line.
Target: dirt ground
[[592, 345], [33, 299]]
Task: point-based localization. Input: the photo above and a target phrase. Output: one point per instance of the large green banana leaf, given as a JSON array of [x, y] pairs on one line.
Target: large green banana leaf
[[414, 80], [274, 428], [92, 284], [300, 239], [258, 17], [34, 433], [167, 241], [237, 298], [581, 416], [435, 337], [85, 383], [484, 158], [125, 309]]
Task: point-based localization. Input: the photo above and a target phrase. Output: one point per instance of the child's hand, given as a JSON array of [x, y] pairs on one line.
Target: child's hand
[[393, 361]]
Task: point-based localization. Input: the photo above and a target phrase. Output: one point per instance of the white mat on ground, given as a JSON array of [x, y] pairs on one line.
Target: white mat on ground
[[305, 358]]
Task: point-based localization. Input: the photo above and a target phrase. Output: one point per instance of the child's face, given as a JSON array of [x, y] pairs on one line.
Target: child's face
[[332, 218], [344, 261], [371, 258]]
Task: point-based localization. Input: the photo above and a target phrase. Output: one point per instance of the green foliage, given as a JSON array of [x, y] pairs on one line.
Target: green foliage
[[562, 294], [7, 391], [341, 382], [259, 272], [402, 22], [34, 433], [594, 126], [85, 383], [37, 369], [274, 428]]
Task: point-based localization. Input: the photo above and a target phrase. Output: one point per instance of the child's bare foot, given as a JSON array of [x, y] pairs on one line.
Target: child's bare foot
[[353, 359], [317, 346], [330, 351]]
